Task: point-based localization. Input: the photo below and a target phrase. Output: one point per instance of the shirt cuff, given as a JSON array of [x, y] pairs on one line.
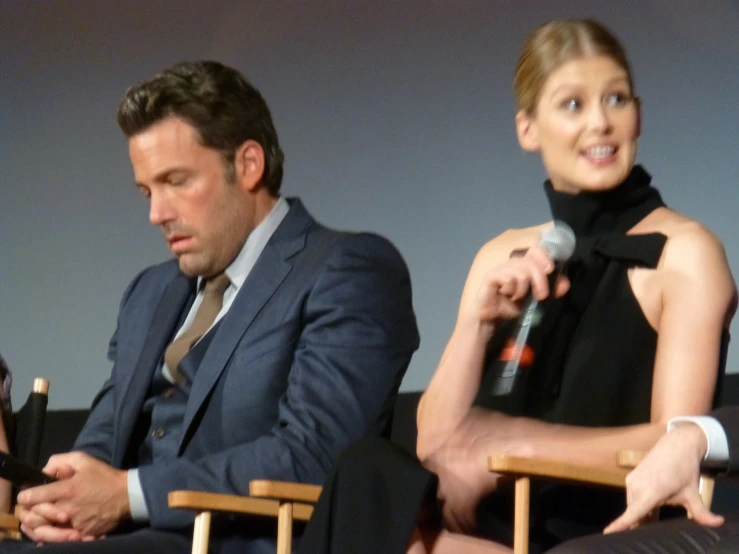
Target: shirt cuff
[[718, 445], [139, 511]]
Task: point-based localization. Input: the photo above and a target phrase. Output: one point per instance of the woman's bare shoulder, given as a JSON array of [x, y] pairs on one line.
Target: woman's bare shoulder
[[695, 253], [673, 224], [687, 239]]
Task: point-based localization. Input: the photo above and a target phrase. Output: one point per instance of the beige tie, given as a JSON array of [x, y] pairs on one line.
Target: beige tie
[[207, 311]]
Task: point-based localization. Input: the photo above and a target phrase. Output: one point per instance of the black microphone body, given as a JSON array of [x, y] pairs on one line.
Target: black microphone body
[[519, 351]]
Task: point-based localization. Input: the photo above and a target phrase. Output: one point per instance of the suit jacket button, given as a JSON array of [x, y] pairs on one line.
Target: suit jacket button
[[157, 433], [169, 393]]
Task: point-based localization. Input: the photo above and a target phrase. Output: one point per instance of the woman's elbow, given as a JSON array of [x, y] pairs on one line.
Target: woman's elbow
[[424, 442], [429, 438]]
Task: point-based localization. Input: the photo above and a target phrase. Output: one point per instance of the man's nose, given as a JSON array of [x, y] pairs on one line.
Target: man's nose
[[160, 209]]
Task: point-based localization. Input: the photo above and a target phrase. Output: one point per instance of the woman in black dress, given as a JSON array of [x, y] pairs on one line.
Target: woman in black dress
[[635, 336]]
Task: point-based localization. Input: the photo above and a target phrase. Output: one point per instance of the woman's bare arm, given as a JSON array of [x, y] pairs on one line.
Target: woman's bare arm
[[698, 300], [453, 388]]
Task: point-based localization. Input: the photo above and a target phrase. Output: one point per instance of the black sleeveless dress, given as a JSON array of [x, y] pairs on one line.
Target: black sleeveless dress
[[596, 348], [596, 372]]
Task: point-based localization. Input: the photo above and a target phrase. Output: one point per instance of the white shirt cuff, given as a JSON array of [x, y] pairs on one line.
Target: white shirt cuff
[[718, 444], [139, 511]]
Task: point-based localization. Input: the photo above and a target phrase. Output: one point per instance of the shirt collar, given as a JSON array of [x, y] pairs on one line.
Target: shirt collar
[[247, 257]]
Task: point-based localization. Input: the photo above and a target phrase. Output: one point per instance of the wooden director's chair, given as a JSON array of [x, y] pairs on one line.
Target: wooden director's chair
[[294, 501]]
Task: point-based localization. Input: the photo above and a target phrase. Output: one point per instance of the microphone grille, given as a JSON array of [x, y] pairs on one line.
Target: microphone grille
[[558, 241]]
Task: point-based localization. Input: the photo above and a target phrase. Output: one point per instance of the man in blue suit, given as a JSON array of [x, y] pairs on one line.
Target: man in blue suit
[[267, 346]]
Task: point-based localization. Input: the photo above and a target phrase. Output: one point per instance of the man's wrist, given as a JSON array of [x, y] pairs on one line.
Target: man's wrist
[[124, 504], [136, 501], [693, 436], [717, 447]]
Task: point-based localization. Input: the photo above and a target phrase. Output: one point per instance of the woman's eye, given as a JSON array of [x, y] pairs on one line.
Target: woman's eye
[[571, 105], [617, 99]]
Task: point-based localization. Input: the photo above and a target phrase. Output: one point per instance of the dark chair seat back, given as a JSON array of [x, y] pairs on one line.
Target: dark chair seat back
[[28, 424]]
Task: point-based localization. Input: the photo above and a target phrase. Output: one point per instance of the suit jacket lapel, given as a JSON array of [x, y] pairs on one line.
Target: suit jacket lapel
[[265, 278], [168, 313]]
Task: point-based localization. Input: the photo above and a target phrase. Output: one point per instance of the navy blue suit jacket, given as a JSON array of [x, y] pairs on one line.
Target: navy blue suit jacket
[[308, 358], [728, 417]]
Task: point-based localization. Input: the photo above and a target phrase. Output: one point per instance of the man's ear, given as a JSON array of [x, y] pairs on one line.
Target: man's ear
[[527, 131], [249, 165]]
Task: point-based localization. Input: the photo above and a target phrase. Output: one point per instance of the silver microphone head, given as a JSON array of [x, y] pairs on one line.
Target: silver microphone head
[[558, 241]]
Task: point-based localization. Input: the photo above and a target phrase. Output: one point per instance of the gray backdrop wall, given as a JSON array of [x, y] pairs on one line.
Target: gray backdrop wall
[[395, 117]]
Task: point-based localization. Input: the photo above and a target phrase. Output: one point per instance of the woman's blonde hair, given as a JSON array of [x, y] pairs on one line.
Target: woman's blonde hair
[[556, 43]]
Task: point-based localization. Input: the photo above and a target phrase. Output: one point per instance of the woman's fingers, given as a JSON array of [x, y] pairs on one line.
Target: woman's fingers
[[509, 284]]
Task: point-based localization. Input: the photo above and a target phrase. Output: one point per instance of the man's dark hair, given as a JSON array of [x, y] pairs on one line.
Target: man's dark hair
[[222, 106]]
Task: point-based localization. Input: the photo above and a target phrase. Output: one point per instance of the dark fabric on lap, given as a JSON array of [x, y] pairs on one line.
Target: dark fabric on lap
[[672, 537], [229, 535], [370, 501], [145, 540]]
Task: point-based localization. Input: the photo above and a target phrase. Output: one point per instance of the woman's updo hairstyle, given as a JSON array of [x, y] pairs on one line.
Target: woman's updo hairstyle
[[556, 43]]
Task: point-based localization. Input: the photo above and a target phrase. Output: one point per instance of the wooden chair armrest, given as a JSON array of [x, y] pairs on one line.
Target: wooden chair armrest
[[284, 490], [212, 502], [9, 522], [557, 471], [629, 458]]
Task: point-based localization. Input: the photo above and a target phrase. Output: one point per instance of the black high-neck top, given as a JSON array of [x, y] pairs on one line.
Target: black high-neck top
[[596, 350]]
